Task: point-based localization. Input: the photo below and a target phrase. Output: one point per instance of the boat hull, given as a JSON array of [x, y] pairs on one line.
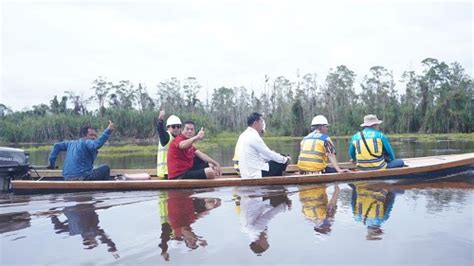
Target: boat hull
[[417, 168]]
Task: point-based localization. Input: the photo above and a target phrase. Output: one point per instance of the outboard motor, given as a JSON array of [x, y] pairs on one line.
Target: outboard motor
[[13, 165]]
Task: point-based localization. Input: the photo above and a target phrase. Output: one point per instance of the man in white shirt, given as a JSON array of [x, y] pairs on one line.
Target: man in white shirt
[[255, 159]]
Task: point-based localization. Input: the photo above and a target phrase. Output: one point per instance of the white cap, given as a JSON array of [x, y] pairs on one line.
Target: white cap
[[173, 120], [319, 120]]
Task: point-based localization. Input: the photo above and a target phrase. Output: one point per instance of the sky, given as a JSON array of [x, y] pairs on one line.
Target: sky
[[48, 47]]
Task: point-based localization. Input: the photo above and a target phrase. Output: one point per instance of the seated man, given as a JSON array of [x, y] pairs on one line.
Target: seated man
[[317, 149], [185, 161], [370, 148], [235, 158], [80, 155], [255, 159]]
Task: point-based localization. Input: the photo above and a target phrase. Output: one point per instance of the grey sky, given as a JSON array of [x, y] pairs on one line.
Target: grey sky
[[48, 47]]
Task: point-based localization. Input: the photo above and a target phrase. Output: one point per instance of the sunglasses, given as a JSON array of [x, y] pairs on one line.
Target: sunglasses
[[175, 126]]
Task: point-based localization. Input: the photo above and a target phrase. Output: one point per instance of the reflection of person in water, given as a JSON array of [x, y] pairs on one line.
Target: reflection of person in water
[[372, 206], [318, 209], [256, 213], [176, 218], [166, 230], [83, 220]]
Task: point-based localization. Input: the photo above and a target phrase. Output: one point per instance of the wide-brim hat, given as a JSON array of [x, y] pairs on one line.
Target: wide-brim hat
[[370, 120]]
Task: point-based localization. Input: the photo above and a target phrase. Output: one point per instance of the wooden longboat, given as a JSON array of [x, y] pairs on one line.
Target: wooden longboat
[[440, 165]]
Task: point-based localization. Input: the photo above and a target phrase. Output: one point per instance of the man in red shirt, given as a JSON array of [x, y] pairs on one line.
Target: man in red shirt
[[185, 161]]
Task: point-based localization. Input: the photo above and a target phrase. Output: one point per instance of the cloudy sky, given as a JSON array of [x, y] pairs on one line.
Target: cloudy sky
[[48, 47]]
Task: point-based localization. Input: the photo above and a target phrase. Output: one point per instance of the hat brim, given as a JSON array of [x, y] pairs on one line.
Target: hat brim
[[371, 123]]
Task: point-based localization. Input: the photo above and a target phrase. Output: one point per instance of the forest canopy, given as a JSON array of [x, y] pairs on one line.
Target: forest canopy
[[439, 99]]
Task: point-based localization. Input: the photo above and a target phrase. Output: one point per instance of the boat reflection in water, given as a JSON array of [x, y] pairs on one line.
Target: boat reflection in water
[[256, 211], [82, 219], [317, 208], [178, 210]]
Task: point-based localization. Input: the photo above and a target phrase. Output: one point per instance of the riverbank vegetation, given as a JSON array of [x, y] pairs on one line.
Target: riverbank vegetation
[[150, 148], [439, 99]]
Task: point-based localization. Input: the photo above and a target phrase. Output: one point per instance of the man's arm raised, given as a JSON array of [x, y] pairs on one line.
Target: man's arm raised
[[189, 142]]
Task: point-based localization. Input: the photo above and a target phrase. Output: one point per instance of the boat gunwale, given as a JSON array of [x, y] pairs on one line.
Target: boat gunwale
[[18, 185]]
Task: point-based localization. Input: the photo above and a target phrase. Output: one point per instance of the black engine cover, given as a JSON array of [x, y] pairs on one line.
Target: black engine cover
[[13, 162]]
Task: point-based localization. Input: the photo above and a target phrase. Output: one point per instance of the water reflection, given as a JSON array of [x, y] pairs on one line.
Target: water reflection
[[82, 219], [256, 212], [178, 210], [372, 206], [10, 222], [408, 217], [317, 208]]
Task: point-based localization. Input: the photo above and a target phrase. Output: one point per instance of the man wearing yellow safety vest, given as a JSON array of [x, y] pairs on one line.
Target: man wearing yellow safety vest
[[370, 148], [317, 149], [173, 124]]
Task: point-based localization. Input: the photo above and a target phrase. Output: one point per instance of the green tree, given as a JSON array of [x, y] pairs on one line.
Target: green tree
[[339, 102], [297, 117], [191, 88], [145, 102], [101, 88], [409, 119], [223, 106]]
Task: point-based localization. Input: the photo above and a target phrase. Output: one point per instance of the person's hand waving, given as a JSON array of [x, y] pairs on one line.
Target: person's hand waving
[[111, 126]]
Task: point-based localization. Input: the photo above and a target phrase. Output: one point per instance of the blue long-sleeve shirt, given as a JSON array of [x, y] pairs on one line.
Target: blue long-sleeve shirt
[[80, 155], [368, 131]]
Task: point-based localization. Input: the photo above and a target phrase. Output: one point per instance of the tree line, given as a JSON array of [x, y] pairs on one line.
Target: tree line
[[437, 100]]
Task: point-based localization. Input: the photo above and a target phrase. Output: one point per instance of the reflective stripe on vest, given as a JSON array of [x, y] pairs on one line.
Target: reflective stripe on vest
[[365, 161], [161, 164], [313, 153]]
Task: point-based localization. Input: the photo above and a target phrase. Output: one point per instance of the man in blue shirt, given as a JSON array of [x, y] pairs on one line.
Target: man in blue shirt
[[80, 155], [371, 149]]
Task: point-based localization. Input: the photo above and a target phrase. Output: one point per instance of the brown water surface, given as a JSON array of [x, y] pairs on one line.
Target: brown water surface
[[390, 222]]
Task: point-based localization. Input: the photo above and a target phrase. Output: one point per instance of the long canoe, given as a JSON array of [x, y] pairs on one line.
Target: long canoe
[[440, 165]]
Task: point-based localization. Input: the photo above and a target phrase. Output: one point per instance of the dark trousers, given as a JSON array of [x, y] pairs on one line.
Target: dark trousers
[[276, 169], [199, 164], [197, 171], [395, 163], [329, 170], [100, 173]]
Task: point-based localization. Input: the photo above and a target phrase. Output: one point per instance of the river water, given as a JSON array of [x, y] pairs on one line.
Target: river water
[[391, 222]]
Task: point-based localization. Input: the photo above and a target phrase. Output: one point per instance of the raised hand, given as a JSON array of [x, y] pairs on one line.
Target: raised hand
[[200, 134], [111, 126], [161, 116]]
